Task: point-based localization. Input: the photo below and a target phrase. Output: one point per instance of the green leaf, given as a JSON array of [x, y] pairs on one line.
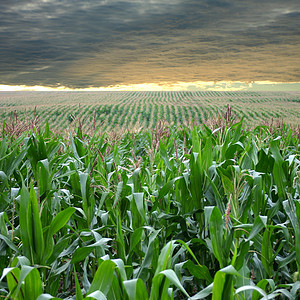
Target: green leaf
[[60, 220], [79, 295], [37, 233], [82, 252], [118, 193], [74, 147], [33, 283], [24, 272], [216, 235], [98, 295], [116, 291], [167, 188], [26, 224], [218, 197], [262, 285], [83, 178], [44, 176], [103, 277], [150, 251], [9, 243], [140, 204], [121, 267], [136, 289], [164, 155], [251, 287], [267, 252], [259, 223], [47, 297], [3, 221], [223, 283], [242, 252], [164, 259], [203, 294], [57, 223], [135, 239], [3, 180], [278, 173], [170, 274], [200, 272], [12, 277], [292, 209]]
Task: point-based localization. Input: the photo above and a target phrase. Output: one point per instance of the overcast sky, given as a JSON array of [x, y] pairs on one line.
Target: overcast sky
[[81, 44]]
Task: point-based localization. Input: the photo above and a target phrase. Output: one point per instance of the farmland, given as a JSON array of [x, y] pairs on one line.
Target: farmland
[[135, 110], [209, 211]]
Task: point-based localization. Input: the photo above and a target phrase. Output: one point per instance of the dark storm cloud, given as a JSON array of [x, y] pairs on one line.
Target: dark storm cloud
[[99, 43]]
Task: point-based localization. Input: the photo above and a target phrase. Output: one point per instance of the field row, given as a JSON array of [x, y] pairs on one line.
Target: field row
[[145, 109]]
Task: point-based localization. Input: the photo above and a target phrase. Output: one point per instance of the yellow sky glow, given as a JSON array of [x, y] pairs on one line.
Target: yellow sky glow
[[164, 86]]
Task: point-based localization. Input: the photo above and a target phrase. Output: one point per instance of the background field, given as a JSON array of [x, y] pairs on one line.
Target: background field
[[144, 109]]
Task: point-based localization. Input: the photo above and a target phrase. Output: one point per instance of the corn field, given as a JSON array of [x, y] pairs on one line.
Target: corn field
[[135, 110], [170, 213]]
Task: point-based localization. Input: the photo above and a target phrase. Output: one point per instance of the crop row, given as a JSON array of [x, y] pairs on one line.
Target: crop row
[[145, 109]]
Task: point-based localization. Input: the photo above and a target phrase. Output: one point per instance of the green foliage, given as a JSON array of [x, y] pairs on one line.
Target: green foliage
[[172, 213]]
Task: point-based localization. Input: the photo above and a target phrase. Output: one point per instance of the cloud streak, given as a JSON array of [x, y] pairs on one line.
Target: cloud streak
[[101, 43]]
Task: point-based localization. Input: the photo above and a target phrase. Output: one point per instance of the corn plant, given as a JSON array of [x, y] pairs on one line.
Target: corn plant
[[170, 213]]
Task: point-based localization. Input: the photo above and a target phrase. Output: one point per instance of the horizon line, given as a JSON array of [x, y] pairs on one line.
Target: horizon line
[[167, 86]]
